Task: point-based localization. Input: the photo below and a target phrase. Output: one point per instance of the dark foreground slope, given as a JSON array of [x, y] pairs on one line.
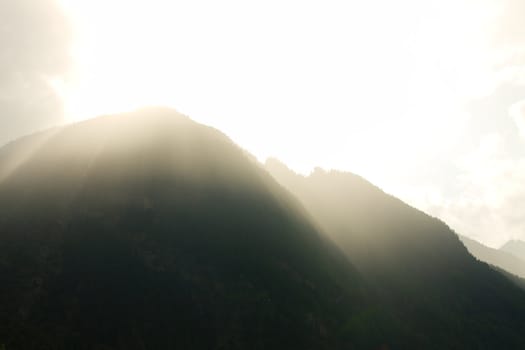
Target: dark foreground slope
[[442, 296], [149, 231]]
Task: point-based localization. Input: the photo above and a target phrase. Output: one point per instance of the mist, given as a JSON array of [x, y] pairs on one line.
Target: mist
[[148, 228], [124, 227]]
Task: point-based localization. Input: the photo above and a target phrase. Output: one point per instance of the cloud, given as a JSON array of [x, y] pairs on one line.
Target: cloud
[[488, 206], [35, 38], [490, 177]]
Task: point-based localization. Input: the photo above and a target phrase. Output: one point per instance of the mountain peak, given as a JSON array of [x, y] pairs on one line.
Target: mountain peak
[[515, 247], [148, 230]]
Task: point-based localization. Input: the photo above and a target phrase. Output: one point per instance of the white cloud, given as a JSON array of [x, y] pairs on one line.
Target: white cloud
[[488, 206]]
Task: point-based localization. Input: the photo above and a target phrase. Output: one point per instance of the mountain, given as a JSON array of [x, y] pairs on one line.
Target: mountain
[[516, 248], [495, 257], [517, 280], [425, 277], [147, 230]]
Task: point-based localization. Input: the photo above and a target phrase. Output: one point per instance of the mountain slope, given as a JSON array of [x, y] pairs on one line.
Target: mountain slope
[[498, 258], [516, 248], [149, 231], [442, 296]]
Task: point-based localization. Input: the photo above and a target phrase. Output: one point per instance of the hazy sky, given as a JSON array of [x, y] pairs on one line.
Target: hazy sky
[[424, 98]]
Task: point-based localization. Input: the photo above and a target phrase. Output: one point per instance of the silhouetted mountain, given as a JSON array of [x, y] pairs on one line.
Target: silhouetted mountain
[[498, 258], [149, 231], [516, 248], [441, 295], [517, 280]]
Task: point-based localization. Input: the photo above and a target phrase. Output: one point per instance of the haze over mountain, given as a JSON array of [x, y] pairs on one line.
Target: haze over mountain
[[449, 99], [436, 289], [146, 230], [516, 248], [423, 98], [149, 231], [497, 257]]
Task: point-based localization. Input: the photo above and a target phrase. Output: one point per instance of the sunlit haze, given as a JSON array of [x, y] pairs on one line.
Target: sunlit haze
[[336, 84], [278, 174], [419, 97]]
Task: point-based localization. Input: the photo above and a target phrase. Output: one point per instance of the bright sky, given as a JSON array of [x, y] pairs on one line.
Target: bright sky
[[313, 82], [391, 90]]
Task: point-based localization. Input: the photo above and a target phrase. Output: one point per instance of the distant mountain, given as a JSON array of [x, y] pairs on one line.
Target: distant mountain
[[149, 231], [498, 258], [516, 248], [437, 291]]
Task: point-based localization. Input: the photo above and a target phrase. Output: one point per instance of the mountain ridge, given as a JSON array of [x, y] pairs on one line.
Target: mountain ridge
[[427, 277], [497, 257], [148, 230], [516, 248], [116, 230]]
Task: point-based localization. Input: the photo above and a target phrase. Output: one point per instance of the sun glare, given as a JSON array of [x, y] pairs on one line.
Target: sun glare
[[331, 83]]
